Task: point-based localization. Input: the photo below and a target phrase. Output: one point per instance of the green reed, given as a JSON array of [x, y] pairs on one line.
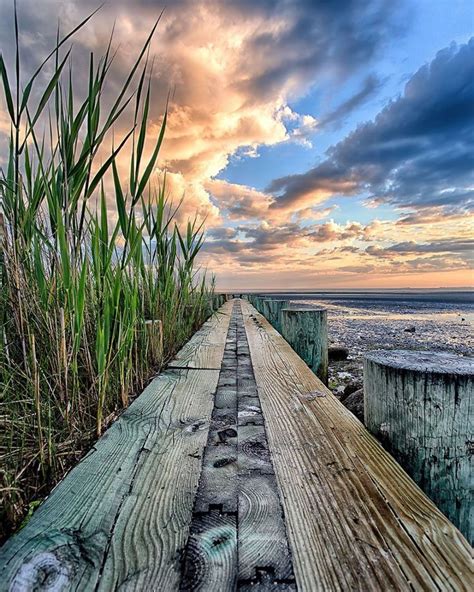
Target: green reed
[[79, 288]]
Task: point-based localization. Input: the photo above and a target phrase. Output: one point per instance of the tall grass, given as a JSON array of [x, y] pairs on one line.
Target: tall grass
[[79, 289]]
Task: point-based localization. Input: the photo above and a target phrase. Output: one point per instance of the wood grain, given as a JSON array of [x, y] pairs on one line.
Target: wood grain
[[263, 552], [206, 347], [425, 419], [274, 308], [212, 555], [306, 330], [355, 520], [237, 535], [121, 517]]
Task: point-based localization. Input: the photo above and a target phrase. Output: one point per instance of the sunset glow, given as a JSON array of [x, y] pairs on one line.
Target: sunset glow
[[326, 144]]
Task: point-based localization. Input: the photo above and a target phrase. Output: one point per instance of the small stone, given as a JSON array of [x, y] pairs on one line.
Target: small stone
[[337, 353], [355, 403], [410, 329], [350, 388]]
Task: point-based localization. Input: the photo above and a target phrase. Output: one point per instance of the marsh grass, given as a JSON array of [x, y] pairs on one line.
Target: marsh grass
[[78, 288]]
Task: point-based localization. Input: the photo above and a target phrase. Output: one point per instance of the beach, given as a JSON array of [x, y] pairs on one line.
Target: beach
[[362, 321]]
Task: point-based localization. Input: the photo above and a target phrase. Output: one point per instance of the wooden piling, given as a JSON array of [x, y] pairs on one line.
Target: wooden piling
[[318, 504], [420, 406], [259, 304], [266, 309], [305, 329], [273, 312]]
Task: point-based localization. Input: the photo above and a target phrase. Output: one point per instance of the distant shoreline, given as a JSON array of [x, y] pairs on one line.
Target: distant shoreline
[[441, 296], [347, 290]]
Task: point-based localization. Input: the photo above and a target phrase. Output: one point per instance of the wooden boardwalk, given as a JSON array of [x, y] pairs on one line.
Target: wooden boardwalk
[[237, 469]]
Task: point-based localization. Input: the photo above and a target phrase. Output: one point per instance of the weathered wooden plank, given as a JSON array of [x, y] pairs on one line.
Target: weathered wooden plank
[[210, 559], [263, 552], [355, 519], [262, 541], [121, 517], [206, 347], [212, 555], [237, 500], [153, 526]]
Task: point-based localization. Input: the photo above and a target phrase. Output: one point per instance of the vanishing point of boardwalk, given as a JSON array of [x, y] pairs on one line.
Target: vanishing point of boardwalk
[[237, 469]]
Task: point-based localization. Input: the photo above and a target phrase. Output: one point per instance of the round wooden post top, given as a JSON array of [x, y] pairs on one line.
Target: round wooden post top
[[436, 362]]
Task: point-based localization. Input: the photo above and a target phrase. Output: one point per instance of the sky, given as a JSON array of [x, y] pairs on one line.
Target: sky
[[326, 144]]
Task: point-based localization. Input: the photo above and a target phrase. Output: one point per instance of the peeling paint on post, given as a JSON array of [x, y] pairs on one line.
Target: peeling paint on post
[[306, 330], [419, 405]]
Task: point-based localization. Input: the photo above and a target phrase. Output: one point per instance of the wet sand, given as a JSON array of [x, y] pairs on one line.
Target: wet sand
[[362, 325]]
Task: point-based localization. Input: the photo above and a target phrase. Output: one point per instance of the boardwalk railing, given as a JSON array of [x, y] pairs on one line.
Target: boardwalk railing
[[237, 468]]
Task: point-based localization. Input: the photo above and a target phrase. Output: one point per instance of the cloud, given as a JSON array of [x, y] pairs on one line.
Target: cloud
[[239, 202], [462, 247], [233, 65], [371, 85], [437, 215], [296, 192], [282, 241], [244, 203], [417, 152], [330, 231]]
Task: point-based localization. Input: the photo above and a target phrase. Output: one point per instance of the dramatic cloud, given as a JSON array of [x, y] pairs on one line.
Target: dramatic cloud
[[232, 65], [463, 250], [417, 152], [239, 202], [371, 85], [238, 72]]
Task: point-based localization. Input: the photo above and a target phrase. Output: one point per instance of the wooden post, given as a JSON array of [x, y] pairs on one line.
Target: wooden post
[[259, 304], [154, 332], [266, 310], [420, 406], [306, 330], [274, 308]]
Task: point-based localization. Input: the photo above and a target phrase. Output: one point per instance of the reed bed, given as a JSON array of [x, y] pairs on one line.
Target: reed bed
[[91, 304]]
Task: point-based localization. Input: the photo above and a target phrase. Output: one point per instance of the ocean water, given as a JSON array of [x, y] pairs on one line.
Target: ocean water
[[362, 321]]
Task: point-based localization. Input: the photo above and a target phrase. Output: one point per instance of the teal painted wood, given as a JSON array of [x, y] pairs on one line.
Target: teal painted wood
[[112, 521], [275, 307], [306, 331], [266, 309], [420, 406], [259, 304]]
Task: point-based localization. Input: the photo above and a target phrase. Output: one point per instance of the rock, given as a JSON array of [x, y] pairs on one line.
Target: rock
[[410, 329], [350, 388], [337, 353], [355, 403]]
